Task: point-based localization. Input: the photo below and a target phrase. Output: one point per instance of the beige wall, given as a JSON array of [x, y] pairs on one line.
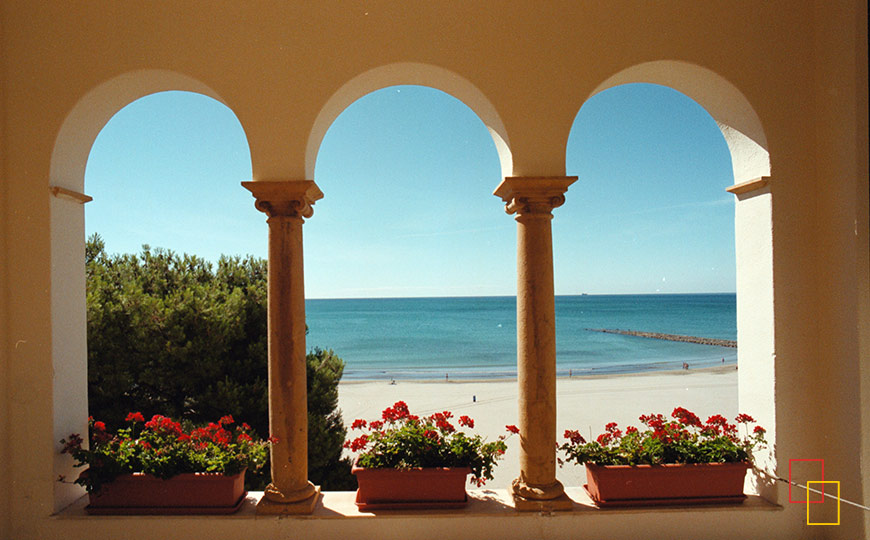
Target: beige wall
[[796, 77], [862, 228], [5, 460]]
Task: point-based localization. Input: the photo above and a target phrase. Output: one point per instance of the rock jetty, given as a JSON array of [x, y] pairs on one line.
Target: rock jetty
[[669, 337]]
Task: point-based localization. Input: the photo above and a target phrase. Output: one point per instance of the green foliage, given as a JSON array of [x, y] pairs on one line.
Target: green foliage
[[174, 335], [683, 440], [326, 431], [401, 440], [164, 448]]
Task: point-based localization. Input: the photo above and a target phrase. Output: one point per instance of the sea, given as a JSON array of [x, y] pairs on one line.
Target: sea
[[476, 337]]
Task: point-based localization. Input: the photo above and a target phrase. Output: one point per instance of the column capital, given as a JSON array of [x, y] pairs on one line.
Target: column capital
[[533, 194], [289, 198]]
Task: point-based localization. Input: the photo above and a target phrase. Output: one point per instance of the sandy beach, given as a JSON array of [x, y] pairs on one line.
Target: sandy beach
[[584, 403]]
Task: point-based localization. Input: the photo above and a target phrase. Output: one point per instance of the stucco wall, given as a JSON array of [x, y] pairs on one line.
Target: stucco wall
[[801, 68]]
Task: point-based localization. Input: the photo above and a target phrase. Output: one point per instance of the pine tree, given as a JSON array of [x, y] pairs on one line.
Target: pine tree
[[169, 334]]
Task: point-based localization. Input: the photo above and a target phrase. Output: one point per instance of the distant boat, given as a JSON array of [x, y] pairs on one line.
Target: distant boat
[[584, 294]]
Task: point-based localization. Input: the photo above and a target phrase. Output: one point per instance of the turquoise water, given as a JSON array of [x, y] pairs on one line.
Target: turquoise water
[[416, 338]]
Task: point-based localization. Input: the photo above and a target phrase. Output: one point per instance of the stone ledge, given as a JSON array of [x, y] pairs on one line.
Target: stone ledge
[[483, 502]]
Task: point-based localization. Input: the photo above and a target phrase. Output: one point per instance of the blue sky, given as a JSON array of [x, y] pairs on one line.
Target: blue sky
[[408, 174]]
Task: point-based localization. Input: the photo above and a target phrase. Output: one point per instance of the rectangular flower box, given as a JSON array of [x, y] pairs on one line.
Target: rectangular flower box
[[640, 485], [382, 489], [192, 493]]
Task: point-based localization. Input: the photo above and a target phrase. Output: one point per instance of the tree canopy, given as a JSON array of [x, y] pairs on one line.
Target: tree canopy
[[175, 335]]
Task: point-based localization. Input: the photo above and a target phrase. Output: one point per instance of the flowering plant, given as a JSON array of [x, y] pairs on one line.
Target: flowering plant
[[685, 439], [401, 440], [164, 448]]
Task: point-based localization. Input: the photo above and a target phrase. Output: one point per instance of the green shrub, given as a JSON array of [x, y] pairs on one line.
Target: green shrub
[[177, 336]]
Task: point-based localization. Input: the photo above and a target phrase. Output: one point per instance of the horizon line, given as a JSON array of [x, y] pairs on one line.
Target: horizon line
[[514, 296]]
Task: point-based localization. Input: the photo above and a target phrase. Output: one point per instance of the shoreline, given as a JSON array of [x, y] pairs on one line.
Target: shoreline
[[725, 368]]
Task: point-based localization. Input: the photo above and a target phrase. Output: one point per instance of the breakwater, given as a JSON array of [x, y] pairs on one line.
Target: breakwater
[[669, 337]]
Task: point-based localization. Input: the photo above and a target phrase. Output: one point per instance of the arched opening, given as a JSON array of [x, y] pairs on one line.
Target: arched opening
[[732, 112], [165, 171], [648, 240], [410, 266], [68, 165], [701, 219], [410, 73], [172, 305]]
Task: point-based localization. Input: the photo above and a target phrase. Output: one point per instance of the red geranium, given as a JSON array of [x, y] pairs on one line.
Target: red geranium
[[164, 448], [403, 440], [683, 440]]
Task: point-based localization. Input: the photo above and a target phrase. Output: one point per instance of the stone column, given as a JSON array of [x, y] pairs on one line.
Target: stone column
[[532, 200], [287, 203]]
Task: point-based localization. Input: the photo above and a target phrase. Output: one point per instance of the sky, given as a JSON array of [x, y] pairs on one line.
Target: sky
[[408, 174]]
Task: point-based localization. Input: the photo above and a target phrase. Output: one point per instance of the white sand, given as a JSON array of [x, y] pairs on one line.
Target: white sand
[[586, 404]]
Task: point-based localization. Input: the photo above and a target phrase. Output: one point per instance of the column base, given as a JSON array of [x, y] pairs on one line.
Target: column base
[[268, 507], [539, 497], [560, 503]]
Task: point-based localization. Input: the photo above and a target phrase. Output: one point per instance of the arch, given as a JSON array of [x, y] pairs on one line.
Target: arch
[[413, 74], [736, 118], [754, 235], [88, 117], [69, 159]]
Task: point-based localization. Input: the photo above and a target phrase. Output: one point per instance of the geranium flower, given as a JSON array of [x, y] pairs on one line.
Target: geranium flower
[[513, 429], [612, 430], [441, 422], [574, 436], [162, 448], [397, 412], [686, 417], [684, 440], [400, 439], [359, 443]]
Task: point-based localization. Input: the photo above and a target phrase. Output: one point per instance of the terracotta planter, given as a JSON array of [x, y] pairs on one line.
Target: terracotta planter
[[382, 489], [194, 493], [637, 485]]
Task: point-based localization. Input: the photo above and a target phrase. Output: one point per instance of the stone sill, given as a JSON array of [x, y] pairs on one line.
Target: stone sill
[[485, 502]]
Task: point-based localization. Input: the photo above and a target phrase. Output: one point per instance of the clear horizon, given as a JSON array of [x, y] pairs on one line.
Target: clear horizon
[[514, 296], [408, 174]]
